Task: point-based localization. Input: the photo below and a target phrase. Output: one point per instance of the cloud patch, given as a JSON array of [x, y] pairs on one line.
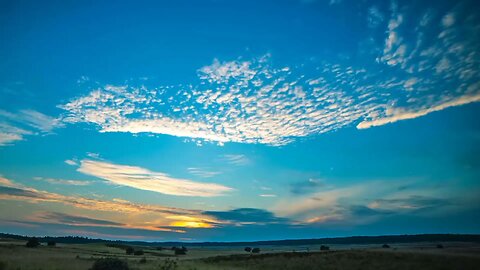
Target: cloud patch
[[243, 216], [419, 69], [76, 220], [237, 160], [144, 179], [305, 187], [14, 126], [68, 182]]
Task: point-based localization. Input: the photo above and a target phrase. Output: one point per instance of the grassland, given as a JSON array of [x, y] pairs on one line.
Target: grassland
[[14, 255]]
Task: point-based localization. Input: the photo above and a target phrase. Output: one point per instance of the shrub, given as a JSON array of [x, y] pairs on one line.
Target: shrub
[[324, 248], [385, 246], [248, 249], [51, 243], [129, 250], [143, 260], [256, 250], [138, 252], [181, 251], [3, 265], [439, 246], [110, 264], [169, 265], [159, 248], [33, 242]]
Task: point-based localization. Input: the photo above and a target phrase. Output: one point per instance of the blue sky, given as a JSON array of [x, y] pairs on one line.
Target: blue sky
[[239, 120]]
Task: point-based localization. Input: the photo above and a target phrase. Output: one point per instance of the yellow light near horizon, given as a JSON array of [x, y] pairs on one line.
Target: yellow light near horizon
[[191, 224]]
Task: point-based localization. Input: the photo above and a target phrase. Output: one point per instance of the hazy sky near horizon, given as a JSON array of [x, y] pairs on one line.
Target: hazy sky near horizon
[[239, 120]]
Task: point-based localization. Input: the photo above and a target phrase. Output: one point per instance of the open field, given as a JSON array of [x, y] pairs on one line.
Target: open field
[[14, 255]]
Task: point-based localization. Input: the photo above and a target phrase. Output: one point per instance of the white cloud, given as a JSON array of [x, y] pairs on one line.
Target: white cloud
[[238, 160], [203, 172], [397, 114], [268, 195], [252, 101], [14, 126], [360, 204], [140, 178], [71, 162], [394, 51], [7, 182], [375, 17], [64, 181], [448, 20]]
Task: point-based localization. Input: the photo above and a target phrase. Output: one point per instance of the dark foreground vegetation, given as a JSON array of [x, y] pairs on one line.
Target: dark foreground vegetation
[[357, 259], [475, 238], [35, 254]]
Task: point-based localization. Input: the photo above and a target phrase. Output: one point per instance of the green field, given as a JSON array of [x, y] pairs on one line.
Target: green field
[[14, 255]]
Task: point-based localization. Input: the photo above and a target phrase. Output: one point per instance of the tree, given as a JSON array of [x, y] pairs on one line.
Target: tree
[[324, 248], [248, 249], [109, 264], [181, 251], [138, 252], [256, 250], [129, 250], [51, 243], [439, 246], [33, 242], [385, 246]]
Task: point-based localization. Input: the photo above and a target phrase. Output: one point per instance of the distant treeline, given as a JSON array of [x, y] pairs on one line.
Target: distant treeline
[[358, 240]]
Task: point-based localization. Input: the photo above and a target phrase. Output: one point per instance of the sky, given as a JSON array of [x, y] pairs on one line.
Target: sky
[[239, 120]]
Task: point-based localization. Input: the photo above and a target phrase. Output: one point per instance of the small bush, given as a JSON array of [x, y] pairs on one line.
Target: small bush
[[248, 249], [256, 250], [143, 260], [138, 252], [33, 242], [385, 246], [110, 264], [51, 243], [159, 248], [324, 248], [181, 251], [168, 265], [439, 246], [129, 250], [3, 265]]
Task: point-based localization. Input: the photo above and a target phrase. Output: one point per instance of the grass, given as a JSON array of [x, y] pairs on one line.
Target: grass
[[14, 255]]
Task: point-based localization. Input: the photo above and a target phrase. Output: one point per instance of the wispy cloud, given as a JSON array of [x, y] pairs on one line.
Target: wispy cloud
[[238, 160], [397, 114], [255, 101], [360, 204], [304, 187], [71, 162], [67, 219], [132, 215], [375, 17], [140, 178], [64, 181], [242, 216], [203, 172], [14, 126], [268, 195], [7, 183]]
